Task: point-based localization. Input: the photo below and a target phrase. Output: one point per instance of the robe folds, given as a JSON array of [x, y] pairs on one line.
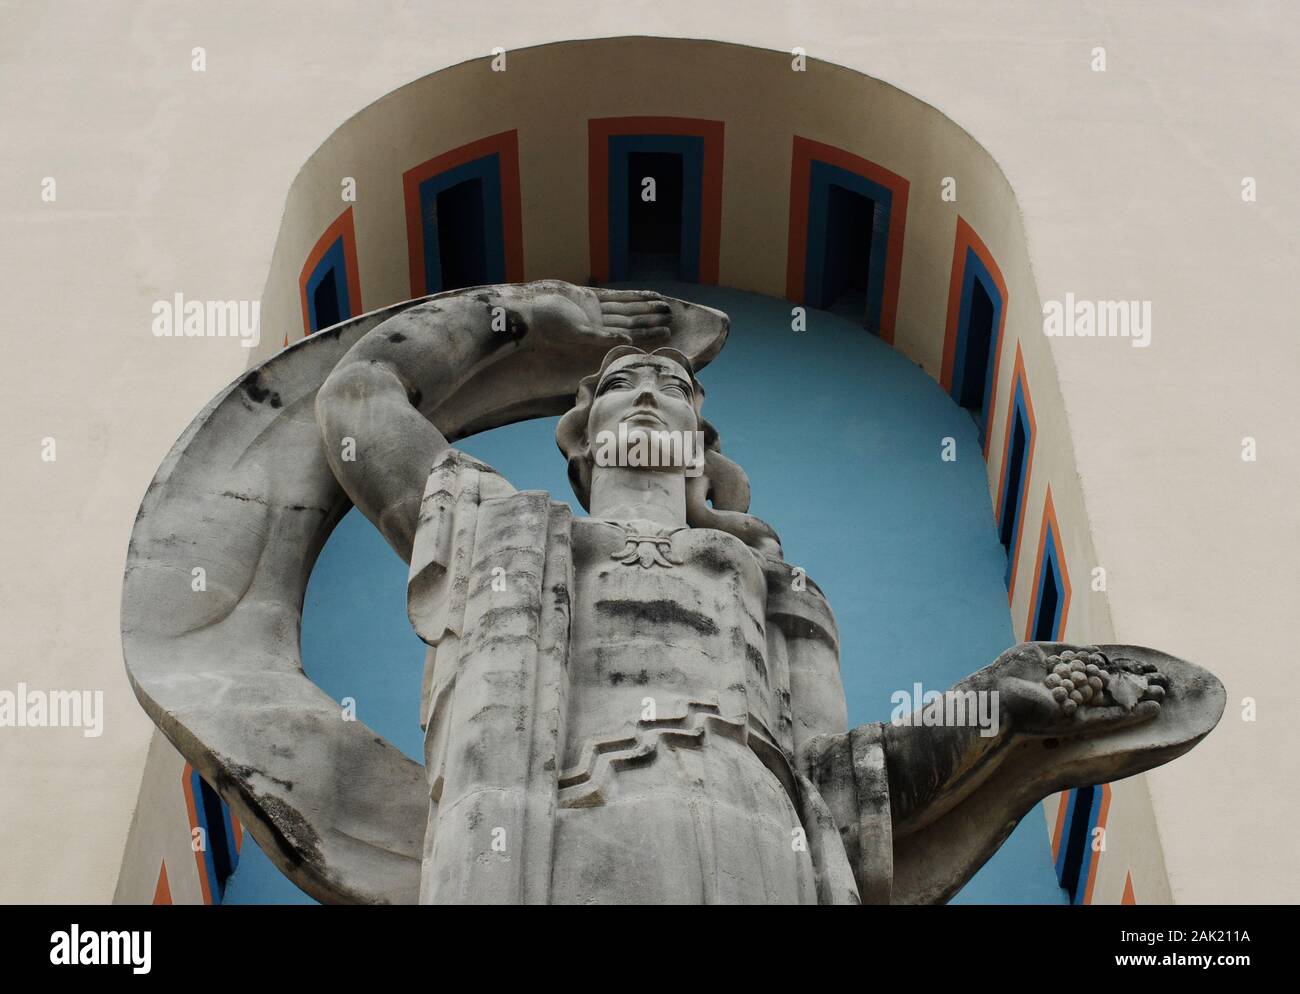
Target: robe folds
[[490, 590]]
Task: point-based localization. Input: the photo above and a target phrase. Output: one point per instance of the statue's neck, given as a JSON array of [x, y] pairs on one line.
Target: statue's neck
[[621, 493]]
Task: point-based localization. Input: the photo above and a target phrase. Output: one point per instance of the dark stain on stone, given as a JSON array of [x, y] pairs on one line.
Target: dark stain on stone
[[658, 612], [301, 838], [472, 758], [294, 835], [396, 337], [515, 329], [617, 678], [561, 593], [516, 326], [414, 396], [752, 652], [777, 582], [257, 393], [246, 774], [495, 617], [713, 559], [253, 387], [756, 659]]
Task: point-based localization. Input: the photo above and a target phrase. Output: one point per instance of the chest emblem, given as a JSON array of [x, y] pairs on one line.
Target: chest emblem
[[647, 546]]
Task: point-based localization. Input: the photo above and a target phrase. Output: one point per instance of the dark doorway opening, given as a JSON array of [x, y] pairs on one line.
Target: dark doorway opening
[[654, 227], [1048, 599], [325, 302], [218, 842], [1076, 842], [462, 243], [850, 220], [979, 341], [1015, 473]]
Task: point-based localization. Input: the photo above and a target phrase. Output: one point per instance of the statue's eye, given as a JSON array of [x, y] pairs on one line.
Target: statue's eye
[[614, 383], [675, 388]]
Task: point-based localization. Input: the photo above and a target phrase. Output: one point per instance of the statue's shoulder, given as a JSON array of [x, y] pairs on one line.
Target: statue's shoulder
[[455, 473], [445, 533]]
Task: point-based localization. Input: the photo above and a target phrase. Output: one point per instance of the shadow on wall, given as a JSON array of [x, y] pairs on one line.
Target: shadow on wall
[[903, 544]]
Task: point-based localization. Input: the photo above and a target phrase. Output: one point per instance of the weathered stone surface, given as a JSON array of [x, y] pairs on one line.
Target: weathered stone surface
[[639, 706]]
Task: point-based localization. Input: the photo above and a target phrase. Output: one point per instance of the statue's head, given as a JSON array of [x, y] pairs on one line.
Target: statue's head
[[634, 393], [645, 392], [658, 391]]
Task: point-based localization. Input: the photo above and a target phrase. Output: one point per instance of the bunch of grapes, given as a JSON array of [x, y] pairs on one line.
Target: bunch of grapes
[[1077, 678]]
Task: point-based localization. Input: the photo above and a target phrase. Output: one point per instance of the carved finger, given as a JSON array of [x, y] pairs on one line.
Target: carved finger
[[634, 307], [611, 296], [587, 335], [649, 335], [639, 321], [1101, 715], [1146, 709], [1115, 717]]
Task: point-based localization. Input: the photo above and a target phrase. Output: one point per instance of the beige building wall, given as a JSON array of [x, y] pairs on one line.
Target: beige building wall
[[1126, 185], [162, 839]]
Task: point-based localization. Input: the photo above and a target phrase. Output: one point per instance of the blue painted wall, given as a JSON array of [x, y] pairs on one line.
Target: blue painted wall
[[902, 543]]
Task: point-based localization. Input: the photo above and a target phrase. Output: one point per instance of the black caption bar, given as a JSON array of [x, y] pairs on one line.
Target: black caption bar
[[138, 944]]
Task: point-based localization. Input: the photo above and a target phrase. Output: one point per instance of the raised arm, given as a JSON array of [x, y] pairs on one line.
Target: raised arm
[[384, 409]]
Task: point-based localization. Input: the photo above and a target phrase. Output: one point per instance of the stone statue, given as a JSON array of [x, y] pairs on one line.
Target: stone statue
[[639, 706]]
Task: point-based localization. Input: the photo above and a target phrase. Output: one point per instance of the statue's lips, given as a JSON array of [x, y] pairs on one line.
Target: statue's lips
[[637, 417]]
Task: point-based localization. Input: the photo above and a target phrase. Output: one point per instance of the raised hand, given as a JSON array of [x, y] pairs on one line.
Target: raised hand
[[643, 316], [558, 313]]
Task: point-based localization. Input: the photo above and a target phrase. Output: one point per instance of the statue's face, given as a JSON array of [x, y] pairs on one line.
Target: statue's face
[[647, 393]]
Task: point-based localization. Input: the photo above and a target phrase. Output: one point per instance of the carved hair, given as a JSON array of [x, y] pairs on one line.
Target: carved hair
[[723, 484]]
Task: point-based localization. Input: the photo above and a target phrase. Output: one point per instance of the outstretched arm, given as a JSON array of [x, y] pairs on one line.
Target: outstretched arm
[[924, 801], [1034, 690], [377, 410]]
